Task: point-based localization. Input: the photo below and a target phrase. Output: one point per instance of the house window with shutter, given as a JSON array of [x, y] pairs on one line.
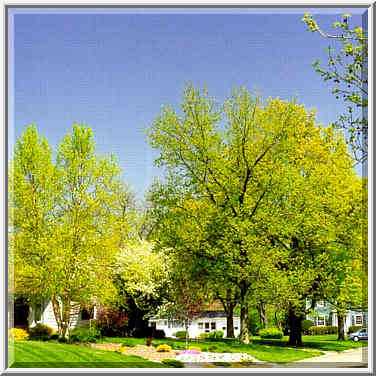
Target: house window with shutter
[[321, 321], [201, 325], [358, 320], [213, 326]]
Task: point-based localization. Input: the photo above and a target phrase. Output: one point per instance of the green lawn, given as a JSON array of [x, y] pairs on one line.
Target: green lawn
[[36, 354], [326, 342], [52, 354], [276, 353]]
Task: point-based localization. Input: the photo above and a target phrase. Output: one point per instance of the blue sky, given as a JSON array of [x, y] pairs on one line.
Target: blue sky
[[113, 69]]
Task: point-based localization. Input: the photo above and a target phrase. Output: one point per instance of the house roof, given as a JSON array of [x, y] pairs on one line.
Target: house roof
[[213, 314], [202, 314]]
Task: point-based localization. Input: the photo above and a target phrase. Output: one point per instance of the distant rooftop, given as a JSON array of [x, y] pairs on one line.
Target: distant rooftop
[[202, 314]]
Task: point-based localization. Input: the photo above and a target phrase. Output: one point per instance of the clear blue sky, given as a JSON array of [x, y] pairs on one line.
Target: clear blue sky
[[114, 71]]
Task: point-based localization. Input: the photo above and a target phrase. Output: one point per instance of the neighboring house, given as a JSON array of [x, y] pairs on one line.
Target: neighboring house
[[325, 314], [204, 322], [26, 315]]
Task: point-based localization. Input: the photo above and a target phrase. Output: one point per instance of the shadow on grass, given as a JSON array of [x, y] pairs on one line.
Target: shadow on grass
[[87, 365]]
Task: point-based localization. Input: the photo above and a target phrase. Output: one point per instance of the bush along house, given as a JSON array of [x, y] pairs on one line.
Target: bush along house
[[203, 322], [325, 314]]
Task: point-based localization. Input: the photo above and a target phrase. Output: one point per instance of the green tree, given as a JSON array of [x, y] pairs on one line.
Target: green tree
[[64, 221], [228, 169], [348, 71], [306, 223]]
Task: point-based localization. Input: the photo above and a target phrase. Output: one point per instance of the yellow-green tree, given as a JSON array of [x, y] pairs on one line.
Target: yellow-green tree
[[65, 223]]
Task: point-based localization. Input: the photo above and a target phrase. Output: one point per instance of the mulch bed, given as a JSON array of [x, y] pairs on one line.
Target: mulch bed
[[147, 352]]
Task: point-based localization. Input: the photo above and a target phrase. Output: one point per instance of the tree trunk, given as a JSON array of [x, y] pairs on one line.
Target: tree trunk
[[230, 321], [186, 335], [341, 329], [66, 316], [56, 309], [277, 322], [244, 322], [295, 324], [263, 315]]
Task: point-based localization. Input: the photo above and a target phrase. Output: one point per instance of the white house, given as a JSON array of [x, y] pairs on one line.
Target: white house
[[26, 315], [325, 314], [204, 322]]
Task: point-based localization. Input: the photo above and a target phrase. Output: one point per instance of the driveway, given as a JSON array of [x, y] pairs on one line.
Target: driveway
[[357, 358]]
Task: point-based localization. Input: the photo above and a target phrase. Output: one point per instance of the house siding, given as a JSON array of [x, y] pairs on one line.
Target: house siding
[[47, 316], [328, 312], [193, 329]]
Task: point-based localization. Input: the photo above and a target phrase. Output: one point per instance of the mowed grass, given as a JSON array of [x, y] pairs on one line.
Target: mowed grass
[[273, 350], [264, 352], [326, 342], [37, 354], [54, 355]]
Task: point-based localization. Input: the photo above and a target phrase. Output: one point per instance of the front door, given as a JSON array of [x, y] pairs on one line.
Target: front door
[[21, 313]]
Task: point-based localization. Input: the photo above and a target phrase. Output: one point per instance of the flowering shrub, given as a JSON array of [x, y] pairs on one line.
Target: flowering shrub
[[112, 321], [164, 348], [123, 350], [194, 348], [188, 352], [18, 334]]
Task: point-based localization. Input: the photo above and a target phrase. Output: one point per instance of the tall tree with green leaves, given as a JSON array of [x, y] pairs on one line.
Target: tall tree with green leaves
[[347, 70], [228, 169], [65, 224]]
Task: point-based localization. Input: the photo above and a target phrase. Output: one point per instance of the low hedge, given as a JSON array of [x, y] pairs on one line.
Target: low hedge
[[41, 332], [180, 334], [272, 333], [319, 330]]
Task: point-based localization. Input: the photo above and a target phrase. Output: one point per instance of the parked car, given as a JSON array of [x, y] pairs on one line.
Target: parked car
[[360, 334]]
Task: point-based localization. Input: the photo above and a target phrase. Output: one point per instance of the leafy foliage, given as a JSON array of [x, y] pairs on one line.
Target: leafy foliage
[[18, 334], [41, 331], [306, 324], [85, 334], [348, 71], [319, 330], [64, 230], [270, 333]]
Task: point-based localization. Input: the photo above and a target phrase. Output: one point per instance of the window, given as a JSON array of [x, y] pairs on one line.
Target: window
[[87, 313], [213, 326], [358, 320], [164, 323], [321, 321], [201, 325], [206, 325]]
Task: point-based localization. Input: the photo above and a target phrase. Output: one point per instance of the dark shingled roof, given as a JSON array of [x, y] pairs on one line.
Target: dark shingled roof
[[213, 314]]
